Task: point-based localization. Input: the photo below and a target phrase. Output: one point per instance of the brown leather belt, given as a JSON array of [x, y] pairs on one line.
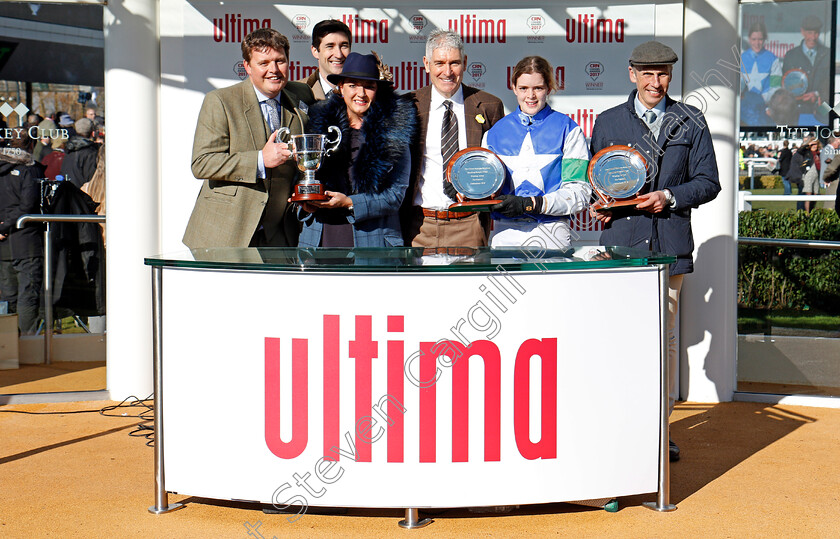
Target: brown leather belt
[[446, 214]]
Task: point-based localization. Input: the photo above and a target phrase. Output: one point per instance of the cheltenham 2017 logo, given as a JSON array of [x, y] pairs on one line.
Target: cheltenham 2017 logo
[[301, 22], [594, 70], [536, 23], [239, 70], [418, 22], [476, 70]]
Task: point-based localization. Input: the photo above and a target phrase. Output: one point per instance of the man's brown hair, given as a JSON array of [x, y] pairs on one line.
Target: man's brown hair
[[264, 38]]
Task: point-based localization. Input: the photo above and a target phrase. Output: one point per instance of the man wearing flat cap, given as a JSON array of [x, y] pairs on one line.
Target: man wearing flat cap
[[811, 57], [681, 174]]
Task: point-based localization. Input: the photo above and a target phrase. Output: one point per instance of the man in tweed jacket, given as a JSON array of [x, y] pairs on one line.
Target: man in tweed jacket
[[247, 175]]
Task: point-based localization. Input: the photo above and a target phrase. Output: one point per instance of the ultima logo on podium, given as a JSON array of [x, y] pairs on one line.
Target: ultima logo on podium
[[419, 372]]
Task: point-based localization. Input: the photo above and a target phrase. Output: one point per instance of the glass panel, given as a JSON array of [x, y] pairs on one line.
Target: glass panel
[[788, 67], [458, 259], [789, 318], [788, 309], [51, 77]]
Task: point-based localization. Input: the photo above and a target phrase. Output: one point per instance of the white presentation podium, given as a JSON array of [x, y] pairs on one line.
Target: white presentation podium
[[411, 379]]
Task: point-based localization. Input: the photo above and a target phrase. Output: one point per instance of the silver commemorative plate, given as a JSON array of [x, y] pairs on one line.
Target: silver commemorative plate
[[476, 173], [795, 81], [617, 171]]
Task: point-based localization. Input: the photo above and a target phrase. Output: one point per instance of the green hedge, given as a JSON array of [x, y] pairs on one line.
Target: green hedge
[[789, 278], [761, 182]]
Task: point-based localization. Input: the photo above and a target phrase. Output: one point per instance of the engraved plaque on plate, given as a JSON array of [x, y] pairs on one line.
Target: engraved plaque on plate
[[477, 174], [617, 174]]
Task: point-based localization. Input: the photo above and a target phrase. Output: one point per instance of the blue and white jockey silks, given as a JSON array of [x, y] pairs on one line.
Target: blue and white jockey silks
[[762, 72], [545, 155]]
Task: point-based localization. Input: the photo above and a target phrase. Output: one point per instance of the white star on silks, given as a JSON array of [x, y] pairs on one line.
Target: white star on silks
[[754, 78], [527, 166]]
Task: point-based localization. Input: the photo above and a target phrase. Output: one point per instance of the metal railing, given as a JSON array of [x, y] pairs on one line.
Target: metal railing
[[745, 197], [777, 242], [764, 165], [48, 271]]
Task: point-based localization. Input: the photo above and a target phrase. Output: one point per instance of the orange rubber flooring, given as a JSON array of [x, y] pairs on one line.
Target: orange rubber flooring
[[748, 470]]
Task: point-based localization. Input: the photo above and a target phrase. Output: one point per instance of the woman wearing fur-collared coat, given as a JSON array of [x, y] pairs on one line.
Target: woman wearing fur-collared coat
[[367, 176]]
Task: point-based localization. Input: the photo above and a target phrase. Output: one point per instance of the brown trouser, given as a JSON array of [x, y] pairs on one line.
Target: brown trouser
[[437, 232]]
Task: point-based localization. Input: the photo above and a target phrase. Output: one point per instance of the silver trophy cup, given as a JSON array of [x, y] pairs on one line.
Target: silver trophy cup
[[309, 151]]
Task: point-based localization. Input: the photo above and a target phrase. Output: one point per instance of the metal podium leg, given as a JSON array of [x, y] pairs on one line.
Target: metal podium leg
[[411, 521], [161, 498], [49, 319], [663, 496]]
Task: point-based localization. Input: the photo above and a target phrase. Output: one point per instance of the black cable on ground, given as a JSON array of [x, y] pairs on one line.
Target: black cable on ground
[[144, 409], [48, 413]]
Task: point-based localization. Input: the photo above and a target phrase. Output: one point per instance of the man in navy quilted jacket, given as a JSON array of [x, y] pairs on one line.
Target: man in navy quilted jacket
[[682, 174]]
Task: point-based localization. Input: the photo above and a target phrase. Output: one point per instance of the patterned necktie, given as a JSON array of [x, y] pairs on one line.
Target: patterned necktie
[[811, 55], [273, 115], [448, 133]]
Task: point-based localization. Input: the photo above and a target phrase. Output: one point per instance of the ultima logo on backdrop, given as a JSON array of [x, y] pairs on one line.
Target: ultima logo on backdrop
[[587, 46], [232, 27], [591, 30]]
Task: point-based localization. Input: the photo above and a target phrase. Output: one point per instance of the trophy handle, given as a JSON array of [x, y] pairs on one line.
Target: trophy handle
[[331, 145], [282, 132]]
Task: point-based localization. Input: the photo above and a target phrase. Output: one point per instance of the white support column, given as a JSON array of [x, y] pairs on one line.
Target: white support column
[[708, 299], [132, 82]]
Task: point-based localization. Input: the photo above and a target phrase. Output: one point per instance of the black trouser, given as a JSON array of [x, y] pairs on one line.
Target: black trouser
[[20, 285], [799, 184], [837, 202]]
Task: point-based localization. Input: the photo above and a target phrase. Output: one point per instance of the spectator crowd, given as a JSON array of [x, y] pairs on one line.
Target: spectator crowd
[[34, 162]]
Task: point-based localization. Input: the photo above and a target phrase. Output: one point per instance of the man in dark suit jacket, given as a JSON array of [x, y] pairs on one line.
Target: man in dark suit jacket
[[249, 175], [331, 41], [427, 222], [784, 158]]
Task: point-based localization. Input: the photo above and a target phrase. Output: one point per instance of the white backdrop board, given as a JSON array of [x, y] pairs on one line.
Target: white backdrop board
[[555, 397], [587, 43]]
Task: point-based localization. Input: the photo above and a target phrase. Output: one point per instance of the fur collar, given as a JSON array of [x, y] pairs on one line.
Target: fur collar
[[13, 157], [389, 129], [77, 143]]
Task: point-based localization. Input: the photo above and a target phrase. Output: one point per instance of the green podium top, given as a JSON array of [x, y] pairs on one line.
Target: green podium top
[[409, 259]]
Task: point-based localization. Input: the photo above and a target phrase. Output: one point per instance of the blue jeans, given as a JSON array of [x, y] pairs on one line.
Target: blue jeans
[[786, 185]]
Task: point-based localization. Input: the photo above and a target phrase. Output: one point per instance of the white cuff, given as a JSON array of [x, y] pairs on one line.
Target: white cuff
[[260, 165]]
